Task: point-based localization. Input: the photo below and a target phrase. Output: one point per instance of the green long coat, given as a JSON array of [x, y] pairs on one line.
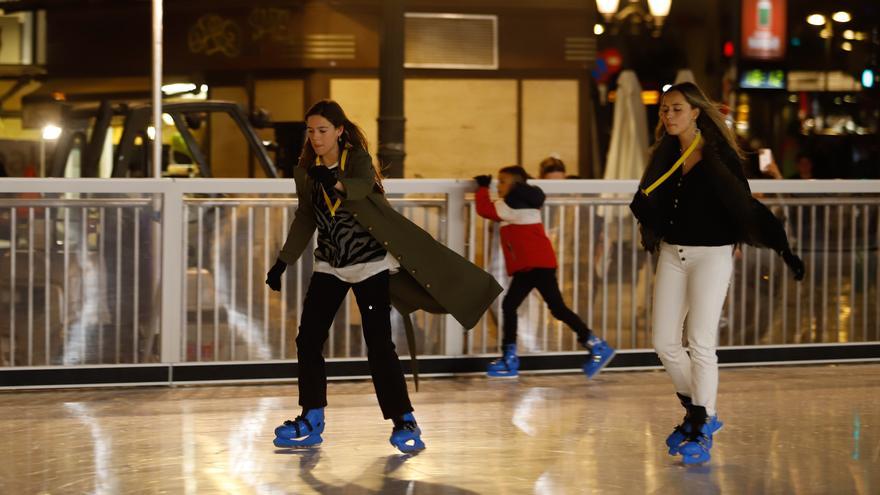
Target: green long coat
[[432, 277]]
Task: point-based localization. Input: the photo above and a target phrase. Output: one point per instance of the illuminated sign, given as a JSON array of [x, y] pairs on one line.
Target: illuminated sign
[[763, 29], [821, 81], [762, 79]]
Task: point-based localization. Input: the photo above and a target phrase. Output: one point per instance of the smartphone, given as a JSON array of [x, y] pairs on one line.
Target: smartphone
[[765, 158]]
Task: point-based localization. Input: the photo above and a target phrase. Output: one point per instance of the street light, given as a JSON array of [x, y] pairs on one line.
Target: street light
[[816, 20], [827, 32], [657, 12], [607, 8], [841, 17], [50, 132]]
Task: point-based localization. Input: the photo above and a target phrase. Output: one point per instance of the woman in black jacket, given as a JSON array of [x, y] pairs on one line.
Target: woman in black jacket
[[694, 205]]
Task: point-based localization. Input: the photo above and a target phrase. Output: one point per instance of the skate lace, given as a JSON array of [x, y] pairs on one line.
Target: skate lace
[[296, 425], [503, 361], [406, 425], [697, 436]]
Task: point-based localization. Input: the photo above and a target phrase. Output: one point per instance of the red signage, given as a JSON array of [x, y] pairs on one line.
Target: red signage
[[763, 29]]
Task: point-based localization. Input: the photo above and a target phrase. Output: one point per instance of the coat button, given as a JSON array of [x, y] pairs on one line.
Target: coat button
[[413, 270], [386, 243], [370, 229], [355, 215], [427, 286]]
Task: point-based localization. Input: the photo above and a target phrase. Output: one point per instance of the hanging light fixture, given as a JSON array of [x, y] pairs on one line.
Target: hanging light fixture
[[659, 10], [841, 17], [635, 11], [607, 8], [816, 20]]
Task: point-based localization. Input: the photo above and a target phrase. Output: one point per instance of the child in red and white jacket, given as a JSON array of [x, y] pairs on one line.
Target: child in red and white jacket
[[531, 262]]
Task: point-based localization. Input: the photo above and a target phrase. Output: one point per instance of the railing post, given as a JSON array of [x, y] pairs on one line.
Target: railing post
[[173, 266], [456, 226]]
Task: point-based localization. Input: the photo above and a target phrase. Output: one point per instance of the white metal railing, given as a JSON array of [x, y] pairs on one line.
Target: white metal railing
[[114, 271]]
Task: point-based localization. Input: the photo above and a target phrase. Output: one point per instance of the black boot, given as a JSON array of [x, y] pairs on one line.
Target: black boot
[[699, 437], [680, 432]]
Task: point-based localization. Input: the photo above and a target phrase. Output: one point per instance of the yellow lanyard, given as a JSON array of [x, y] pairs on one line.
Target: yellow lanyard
[[675, 166], [334, 206]]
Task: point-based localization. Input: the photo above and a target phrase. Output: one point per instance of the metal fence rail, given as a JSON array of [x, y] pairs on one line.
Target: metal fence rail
[[231, 314], [116, 272], [607, 278], [75, 277]]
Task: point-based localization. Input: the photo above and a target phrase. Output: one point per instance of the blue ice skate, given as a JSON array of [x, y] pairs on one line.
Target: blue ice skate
[[676, 440], [600, 355], [505, 366], [304, 431], [696, 449], [407, 437]]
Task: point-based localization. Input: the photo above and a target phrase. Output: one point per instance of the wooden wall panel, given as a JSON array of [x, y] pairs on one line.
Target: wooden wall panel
[[460, 127], [229, 150], [283, 98], [360, 100], [550, 123]]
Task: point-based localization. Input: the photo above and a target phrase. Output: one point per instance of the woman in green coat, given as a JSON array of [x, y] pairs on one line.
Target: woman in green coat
[[366, 246]]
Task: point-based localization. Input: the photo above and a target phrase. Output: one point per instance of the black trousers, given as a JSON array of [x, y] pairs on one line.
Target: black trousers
[[543, 279], [325, 294]]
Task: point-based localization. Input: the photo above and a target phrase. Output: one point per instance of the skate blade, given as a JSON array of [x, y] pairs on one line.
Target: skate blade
[[417, 445], [292, 443], [505, 374], [692, 460]]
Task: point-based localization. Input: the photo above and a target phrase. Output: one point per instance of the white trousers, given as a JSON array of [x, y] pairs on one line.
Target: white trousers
[[691, 282]]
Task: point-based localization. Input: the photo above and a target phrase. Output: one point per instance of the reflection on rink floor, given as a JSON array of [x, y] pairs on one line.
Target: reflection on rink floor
[[788, 430]]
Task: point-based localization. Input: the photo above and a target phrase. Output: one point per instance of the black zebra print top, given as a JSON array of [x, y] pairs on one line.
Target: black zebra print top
[[342, 241]]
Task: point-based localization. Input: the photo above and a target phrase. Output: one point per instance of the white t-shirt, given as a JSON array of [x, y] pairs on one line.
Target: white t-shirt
[[360, 271]]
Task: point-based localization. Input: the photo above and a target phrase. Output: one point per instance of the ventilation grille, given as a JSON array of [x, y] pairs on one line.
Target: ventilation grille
[[451, 41], [322, 47], [580, 49]]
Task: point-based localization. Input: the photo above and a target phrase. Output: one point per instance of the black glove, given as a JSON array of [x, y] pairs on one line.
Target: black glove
[[323, 176], [273, 278], [796, 264], [650, 241], [483, 180]]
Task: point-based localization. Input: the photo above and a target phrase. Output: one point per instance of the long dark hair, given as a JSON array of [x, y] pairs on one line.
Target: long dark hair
[[352, 135], [712, 128]]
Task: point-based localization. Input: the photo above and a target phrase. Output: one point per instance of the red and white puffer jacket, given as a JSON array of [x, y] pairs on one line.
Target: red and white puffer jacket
[[523, 239]]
